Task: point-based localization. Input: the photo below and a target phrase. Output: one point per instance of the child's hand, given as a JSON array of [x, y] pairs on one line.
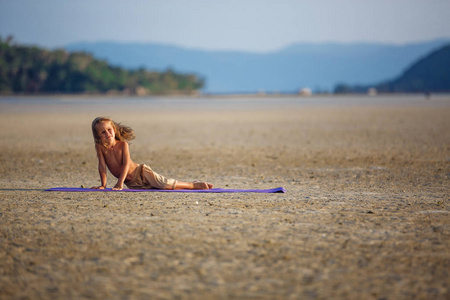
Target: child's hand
[[118, 187]]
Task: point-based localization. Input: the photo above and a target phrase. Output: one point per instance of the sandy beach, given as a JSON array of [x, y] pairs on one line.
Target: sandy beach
[[366, 214]]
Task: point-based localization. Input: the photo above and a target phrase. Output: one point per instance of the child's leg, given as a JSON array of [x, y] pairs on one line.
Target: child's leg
[[158, 181], [197, 185]]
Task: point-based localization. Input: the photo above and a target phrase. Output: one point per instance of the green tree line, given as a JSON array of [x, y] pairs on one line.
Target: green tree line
[[30, 69]]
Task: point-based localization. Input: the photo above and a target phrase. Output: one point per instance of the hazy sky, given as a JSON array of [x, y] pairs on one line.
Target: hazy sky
[[250, 25]]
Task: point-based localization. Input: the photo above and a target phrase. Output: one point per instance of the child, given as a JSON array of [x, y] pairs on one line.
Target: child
[[111, 143]]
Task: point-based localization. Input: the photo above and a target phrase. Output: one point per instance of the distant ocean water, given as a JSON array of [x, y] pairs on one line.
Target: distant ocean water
[[87, 103]]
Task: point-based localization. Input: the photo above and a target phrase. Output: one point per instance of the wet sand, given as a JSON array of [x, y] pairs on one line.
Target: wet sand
[[366, 214]]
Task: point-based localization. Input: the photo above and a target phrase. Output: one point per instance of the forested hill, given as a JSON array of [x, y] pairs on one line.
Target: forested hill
[[430, 74], [26, 69]]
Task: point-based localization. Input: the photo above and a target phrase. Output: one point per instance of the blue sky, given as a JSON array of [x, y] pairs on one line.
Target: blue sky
[[245, 25]]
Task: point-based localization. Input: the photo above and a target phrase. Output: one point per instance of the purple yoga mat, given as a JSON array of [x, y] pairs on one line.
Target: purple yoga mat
[[69, 189]]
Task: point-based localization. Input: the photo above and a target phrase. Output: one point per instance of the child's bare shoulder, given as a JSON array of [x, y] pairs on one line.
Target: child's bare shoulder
[[98, 147], [122, 144]]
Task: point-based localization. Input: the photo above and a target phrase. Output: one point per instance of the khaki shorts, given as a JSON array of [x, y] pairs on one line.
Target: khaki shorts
[[146, 178]]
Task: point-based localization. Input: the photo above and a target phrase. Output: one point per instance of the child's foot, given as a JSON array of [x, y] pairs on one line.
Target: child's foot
[[198, 185]]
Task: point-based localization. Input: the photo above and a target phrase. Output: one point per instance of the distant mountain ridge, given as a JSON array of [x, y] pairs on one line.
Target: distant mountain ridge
[[429, 74], [317, 66]]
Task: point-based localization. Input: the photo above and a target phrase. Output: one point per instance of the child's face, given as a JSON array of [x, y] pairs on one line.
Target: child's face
[[106, 132]]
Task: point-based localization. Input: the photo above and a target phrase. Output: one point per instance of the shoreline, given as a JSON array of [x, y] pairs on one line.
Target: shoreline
[[220, 95]]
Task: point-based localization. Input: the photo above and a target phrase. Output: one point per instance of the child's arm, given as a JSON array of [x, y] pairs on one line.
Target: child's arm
[[101, 168], [126, 166]]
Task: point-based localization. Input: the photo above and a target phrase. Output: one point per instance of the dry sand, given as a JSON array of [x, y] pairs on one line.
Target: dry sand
[[366, 214]]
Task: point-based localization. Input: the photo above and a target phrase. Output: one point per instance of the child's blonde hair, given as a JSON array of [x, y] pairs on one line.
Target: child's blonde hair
[[122, 132]]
